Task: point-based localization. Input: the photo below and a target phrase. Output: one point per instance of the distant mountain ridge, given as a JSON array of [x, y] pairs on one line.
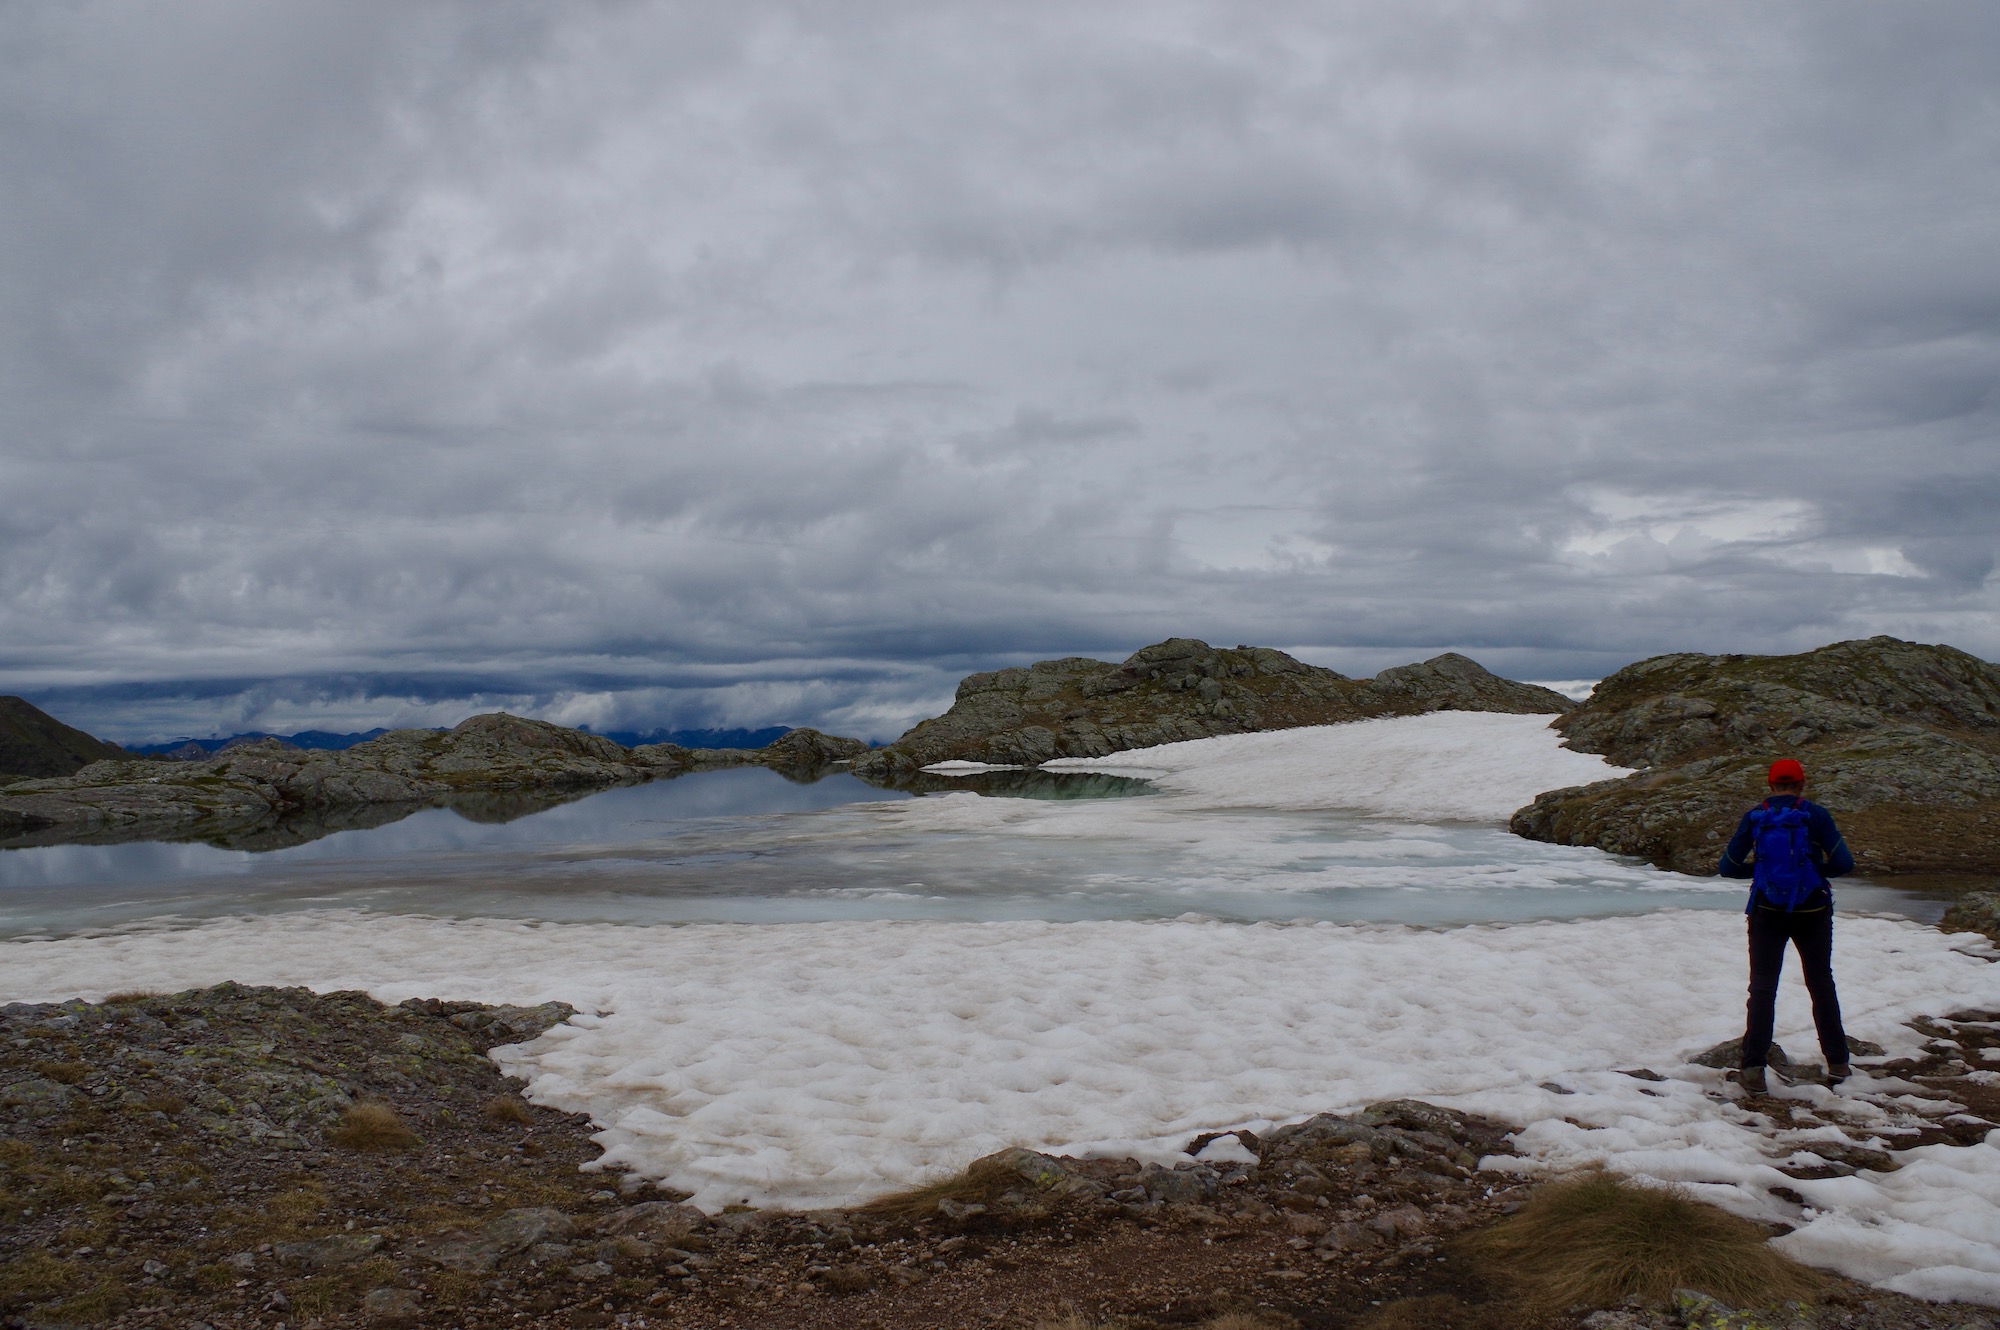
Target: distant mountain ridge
[[326, 741], [322, 741]]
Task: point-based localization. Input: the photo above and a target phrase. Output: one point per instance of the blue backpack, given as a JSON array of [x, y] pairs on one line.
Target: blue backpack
[[1783, 872]]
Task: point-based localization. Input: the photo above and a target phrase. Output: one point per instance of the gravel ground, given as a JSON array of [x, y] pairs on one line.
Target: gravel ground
[[263, 1157]]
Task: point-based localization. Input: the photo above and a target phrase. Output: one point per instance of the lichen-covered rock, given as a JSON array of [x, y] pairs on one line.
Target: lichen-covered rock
[[1399, 1134], [328, 1253], [809, 750], [1974, 912], [1698, 1311], [1900, 740], [1178, 689], [514, 1232]]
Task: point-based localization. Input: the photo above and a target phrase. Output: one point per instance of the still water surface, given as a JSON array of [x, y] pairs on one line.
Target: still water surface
[[748, 846]]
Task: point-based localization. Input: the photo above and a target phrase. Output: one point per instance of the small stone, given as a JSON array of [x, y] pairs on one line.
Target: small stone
[[391, 1304], [341, 1249], [1349, 1237], [36, 1098]]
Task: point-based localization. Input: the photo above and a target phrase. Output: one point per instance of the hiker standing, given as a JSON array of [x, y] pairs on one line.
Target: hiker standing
[[1789, 849]]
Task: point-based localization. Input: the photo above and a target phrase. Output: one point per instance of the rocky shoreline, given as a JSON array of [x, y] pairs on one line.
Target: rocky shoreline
[[1901, 740], [195, 1158], [265, 795]]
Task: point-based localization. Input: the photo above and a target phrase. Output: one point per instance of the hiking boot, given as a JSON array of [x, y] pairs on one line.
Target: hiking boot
[[1836, 1072], [1752, 1080]]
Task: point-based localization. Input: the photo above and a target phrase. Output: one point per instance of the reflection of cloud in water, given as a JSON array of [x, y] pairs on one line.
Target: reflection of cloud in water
[[746, 845]]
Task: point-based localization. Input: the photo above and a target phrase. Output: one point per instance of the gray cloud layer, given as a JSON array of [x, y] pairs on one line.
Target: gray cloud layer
[[642, 362]]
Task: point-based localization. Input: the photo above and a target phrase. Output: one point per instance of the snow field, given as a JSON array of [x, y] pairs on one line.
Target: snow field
[[815, 1064], [1473, 765]]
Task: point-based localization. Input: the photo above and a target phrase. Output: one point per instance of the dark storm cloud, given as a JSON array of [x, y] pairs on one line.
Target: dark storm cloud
[[686, 363]]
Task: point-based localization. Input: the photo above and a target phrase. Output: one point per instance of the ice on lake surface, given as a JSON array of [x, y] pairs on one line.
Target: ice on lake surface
[[1376, 837]]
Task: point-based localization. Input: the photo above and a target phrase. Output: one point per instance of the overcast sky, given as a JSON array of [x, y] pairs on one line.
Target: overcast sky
[[725, 362]]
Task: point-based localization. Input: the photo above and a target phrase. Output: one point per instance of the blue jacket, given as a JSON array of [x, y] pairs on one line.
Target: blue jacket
[[1831, 858]]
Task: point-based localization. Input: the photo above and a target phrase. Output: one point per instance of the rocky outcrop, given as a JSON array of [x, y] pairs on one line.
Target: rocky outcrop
[[1179, 689], [1901, 740], [268, 793], [34, 743], [803, 753], [1974, 912]]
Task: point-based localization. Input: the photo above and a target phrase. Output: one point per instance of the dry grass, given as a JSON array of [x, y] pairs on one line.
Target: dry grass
[[453, 1288], [69, 1073], [129, 997], [371, 1126], [316, 1298], [849, 1279], [507, 1110], [34, 1275], [978, 1184], [1598, 1240], [100, 1304], [301, 1205], [73, 1188], [163, 1102]]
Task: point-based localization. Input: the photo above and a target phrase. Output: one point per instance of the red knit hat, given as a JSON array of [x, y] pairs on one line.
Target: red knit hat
[[1787, 771]]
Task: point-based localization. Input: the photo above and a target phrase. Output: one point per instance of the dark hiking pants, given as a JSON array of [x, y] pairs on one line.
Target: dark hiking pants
[[1811, 931]]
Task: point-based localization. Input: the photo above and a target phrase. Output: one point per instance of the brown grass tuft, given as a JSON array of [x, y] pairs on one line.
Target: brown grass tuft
[[372, 1126], [507, 1110], [1599, 1240], [34, 1275], [849, 1279], [160, 1101], [980, 1183], [97, 1306], [316, 1298], [300, 1205], [130, 997], [69, 1073]]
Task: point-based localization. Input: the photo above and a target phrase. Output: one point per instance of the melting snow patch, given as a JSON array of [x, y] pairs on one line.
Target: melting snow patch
[[1473, 765], [813, 1064]]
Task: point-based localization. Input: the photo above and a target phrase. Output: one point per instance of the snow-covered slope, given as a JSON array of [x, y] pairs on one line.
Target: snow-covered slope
[[1475, 765]]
